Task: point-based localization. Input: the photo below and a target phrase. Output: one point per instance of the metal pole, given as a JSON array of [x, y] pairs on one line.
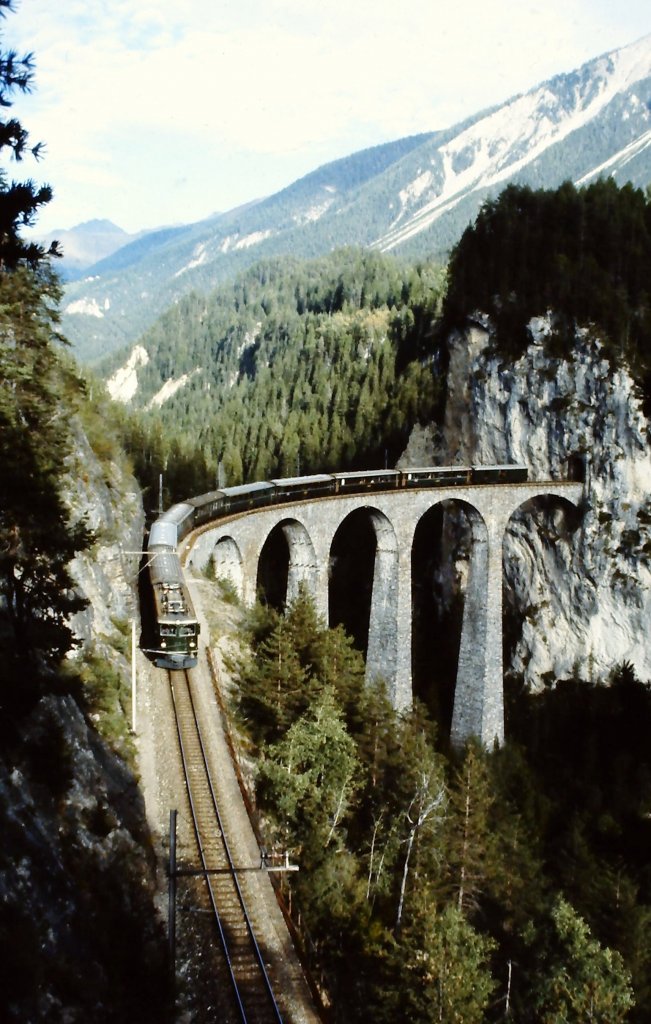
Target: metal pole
[[134, 703], [172, 897], [160, 494], [507, 1010]]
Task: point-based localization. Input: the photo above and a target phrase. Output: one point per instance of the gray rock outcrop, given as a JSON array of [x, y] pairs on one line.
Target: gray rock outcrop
[[581, 592], [109, 501]]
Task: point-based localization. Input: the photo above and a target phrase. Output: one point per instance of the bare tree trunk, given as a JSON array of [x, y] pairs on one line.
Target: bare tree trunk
[[405, 872], [370, 865], [337, 814], [464, 848]]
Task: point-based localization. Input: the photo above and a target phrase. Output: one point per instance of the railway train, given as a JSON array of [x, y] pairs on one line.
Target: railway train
[[170, 625], [173, 636]]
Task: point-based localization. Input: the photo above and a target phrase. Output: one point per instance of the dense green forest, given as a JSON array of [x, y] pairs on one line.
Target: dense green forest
[[470, 887], [583, 254], [294, 368], [38, 539], [78, 933]]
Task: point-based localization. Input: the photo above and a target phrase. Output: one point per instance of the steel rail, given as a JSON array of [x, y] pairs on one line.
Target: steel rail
[[207, 872]]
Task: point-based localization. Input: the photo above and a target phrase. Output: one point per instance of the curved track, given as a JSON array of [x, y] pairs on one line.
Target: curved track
[[253, 999]]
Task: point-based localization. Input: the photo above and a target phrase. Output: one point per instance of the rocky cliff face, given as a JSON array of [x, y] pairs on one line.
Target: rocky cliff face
[[578, 588], [80, 940], [110, 502]]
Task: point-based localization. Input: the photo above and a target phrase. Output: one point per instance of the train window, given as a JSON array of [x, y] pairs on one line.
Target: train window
[[186, 630], [168, 631]]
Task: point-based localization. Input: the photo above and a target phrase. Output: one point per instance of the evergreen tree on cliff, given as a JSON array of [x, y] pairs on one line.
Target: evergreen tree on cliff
[[37, 540], [582, 253], [19, 201]]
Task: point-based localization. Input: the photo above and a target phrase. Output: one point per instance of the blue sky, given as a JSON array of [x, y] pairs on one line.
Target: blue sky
[[157, 112]]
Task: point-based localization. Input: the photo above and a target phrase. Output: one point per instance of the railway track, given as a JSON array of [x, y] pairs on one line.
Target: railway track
[[252, 996]]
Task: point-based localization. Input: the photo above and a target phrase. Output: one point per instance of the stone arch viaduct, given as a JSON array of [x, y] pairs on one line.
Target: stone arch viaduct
[[235, 544]]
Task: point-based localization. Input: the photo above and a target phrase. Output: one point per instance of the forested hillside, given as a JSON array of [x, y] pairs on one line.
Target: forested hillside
[[78, 922], [78, 934], [145, 277], [294, 368]]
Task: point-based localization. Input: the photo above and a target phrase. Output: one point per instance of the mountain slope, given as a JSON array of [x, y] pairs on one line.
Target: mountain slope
[[593, 121], [415, 195], [124, 294]]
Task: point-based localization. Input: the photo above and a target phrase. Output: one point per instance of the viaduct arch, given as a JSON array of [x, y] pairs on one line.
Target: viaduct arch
[[309, 527]]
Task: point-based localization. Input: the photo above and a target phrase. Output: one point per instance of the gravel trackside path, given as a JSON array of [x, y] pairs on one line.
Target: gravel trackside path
[[163, 788]]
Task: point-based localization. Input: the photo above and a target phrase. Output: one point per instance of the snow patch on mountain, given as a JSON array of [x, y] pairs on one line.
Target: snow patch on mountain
[[313, 213], [199, 256], [235, 242], [618, 160], [87, 307], [253, 239], [498, 146], [416, 188]]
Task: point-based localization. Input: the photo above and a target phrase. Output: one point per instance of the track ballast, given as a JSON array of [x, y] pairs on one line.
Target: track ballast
[[252, 995]]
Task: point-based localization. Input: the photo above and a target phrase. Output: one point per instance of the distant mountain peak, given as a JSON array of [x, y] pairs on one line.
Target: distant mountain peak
[[97, 224], [86, 243]]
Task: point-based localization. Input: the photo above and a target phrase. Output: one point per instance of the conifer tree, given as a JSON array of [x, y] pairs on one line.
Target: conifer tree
[[36, 538], [19, 201], [422, 797], [310, 775], [444, 973], [585, 981], [274, 685], [471, 844]]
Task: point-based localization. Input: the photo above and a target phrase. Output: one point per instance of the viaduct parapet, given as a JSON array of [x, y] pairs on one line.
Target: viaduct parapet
[[235, 545]]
